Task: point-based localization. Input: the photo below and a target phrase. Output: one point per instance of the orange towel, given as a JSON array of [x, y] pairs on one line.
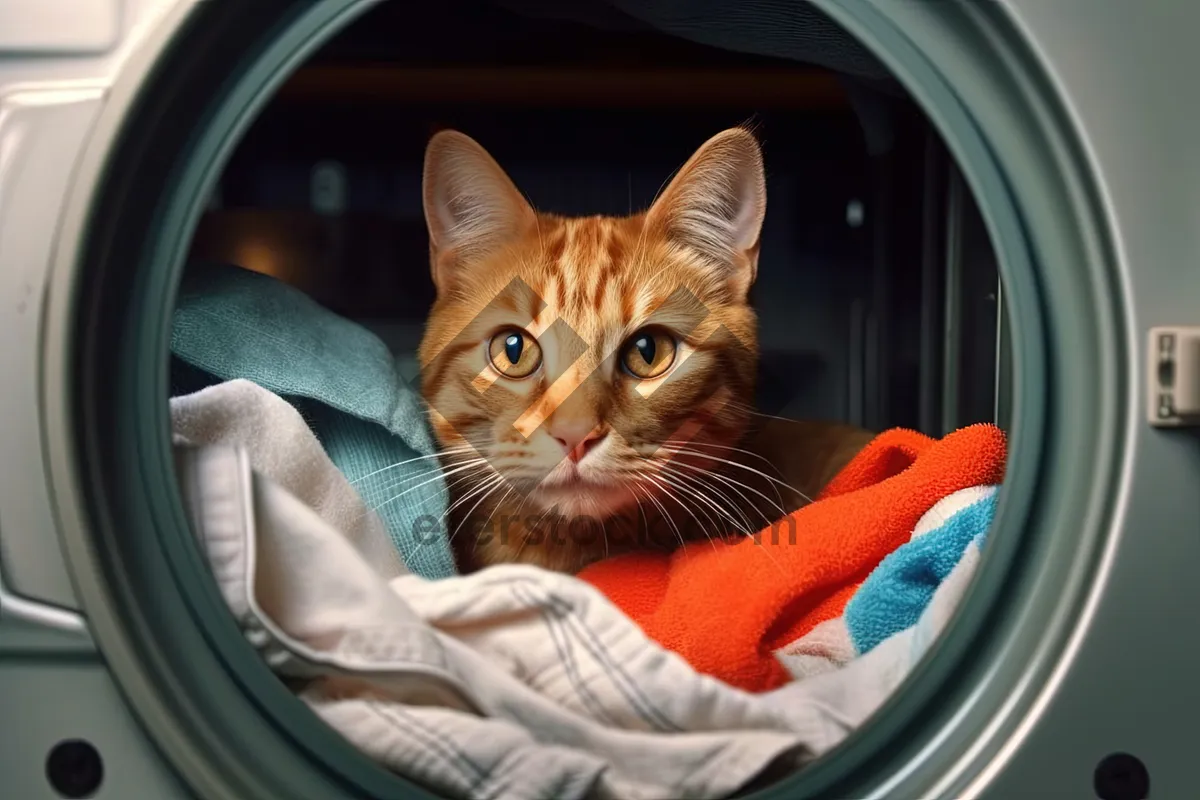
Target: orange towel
[[727, 609]]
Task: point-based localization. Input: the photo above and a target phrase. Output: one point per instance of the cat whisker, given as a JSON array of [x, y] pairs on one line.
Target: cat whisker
[[634, 486], [760, 473], [752, 536], [747, 533], [498, 506], [521, 506], [450, 540], [436, 477], [778, 496], [538, 225], [391, 485], [641, 511], [483, 481], [736, 485], [675, 480], [666, 485], [665, 516], [491, 486], [688, 483], [707, 486], [459, 481], [716, 522], [406, 461], [764, 459], [766, 416]]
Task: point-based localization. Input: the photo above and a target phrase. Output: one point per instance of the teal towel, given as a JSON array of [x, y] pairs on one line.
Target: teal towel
[[897, 592], [232, 323]]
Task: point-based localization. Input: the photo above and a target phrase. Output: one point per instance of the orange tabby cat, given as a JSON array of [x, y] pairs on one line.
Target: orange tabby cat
[[590, 379]]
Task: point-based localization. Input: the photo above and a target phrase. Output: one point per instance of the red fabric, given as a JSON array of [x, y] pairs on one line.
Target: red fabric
[[726, 610]]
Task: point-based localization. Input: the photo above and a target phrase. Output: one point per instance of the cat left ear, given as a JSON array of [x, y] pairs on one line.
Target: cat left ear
[[471, 205], [715, 206]]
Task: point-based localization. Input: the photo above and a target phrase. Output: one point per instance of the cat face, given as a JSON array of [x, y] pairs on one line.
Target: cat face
[[580, 364]]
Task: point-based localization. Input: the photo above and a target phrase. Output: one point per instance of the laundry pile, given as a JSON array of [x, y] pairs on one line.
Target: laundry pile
[[368, 417], [648, 676], [833, 580]]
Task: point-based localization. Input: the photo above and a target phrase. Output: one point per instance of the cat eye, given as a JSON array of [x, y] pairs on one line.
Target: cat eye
[[514, 353], [648, 353]]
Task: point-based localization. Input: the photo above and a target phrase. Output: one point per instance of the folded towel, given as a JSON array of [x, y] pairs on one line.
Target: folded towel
[[727, 610], [232, 323], [897, 592], [922, 580], [280, 446]]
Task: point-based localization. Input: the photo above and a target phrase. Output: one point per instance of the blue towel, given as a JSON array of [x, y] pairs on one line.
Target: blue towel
[[232, 323], [897, 592]]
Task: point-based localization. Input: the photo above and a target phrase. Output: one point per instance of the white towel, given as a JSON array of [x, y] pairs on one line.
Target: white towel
[[512, 682], [281, 447]]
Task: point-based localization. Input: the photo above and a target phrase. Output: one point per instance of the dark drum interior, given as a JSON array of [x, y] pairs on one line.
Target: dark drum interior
[[877, 292]]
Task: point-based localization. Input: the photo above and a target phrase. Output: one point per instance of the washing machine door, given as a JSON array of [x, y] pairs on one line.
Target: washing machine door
[[1069, 669]]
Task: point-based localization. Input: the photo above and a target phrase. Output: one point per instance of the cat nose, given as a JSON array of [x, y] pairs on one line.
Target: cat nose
[[577, 436]]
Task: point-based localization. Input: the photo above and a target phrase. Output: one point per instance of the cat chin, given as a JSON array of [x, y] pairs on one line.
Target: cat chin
[[585, 499]]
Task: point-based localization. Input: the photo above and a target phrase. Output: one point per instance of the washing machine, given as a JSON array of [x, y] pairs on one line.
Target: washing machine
[[1068, 671]]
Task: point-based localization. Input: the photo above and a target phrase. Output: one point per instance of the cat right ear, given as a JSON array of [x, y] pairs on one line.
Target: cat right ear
[[471, 205], [715, 206]]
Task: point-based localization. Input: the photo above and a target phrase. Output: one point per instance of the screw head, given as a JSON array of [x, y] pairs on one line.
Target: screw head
[[1121, 776], [74, 769]]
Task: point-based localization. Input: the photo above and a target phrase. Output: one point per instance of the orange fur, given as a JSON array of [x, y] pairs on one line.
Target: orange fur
[[530, 459]]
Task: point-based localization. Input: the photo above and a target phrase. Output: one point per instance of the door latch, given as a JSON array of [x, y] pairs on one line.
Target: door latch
[[1173, 377]]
